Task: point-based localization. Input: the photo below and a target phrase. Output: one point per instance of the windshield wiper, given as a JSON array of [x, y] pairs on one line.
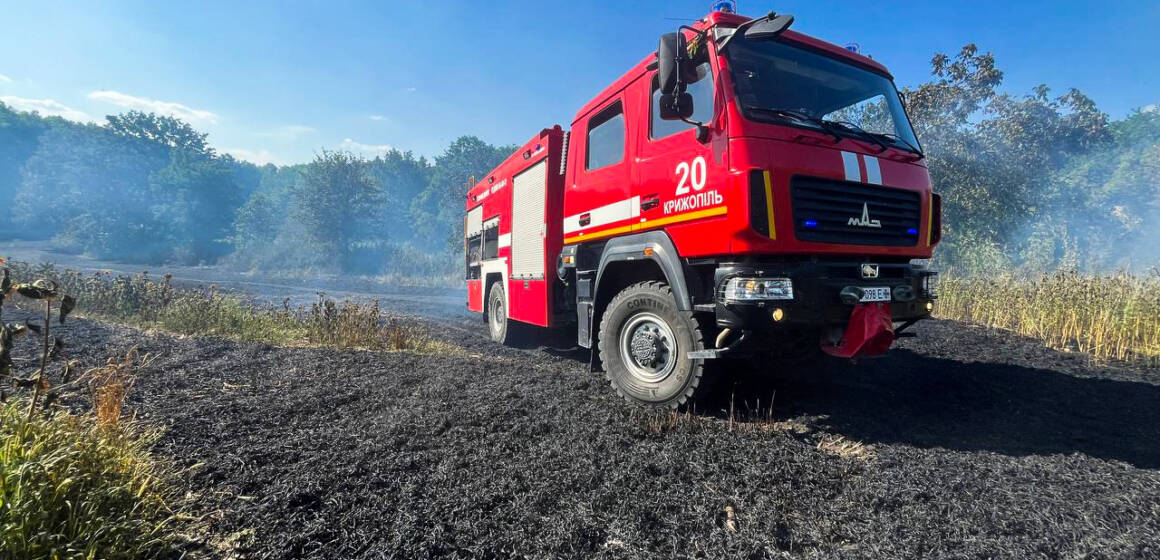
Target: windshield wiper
[[797, 116], [862, 133], [896, 138]]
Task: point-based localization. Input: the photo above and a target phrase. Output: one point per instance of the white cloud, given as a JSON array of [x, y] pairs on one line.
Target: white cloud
[[4, 79], [1153, 108], [376, 117], [259, 157], [46, 107], [374, 149], [171, 108], [412, 90], [288, 133]]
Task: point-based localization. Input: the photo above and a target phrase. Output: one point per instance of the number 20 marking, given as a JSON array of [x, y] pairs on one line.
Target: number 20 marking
[[693, 175]]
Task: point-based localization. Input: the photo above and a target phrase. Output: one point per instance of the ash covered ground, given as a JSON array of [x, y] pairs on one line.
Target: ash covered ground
[[982, 444]]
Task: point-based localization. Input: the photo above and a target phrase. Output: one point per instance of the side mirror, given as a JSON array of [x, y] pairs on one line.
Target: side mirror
[[768, 28], [671, 53], [678, 107]]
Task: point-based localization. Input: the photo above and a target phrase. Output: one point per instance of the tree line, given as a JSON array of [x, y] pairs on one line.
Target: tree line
[[148, 188], [1036, 181]]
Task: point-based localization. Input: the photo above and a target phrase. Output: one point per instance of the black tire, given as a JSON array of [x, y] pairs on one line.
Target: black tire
[[643, 342], [496, 314]]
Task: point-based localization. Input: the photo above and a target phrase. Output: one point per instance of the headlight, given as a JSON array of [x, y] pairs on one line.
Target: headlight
[[757, 289], [930, 285]]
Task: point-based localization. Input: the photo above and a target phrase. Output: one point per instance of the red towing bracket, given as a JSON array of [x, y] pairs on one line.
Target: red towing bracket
[[870, 332]]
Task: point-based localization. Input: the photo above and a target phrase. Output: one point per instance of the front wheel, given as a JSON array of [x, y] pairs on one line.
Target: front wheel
[[644, 343]]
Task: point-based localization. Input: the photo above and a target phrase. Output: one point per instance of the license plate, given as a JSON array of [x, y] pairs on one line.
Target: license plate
[[875, 294]]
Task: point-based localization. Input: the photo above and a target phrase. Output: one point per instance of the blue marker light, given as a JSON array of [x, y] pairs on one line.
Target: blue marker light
[[727, 6], [912, 231], [810, 224]]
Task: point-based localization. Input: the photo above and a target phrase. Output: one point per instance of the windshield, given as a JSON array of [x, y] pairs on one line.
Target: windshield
[[779, 82]]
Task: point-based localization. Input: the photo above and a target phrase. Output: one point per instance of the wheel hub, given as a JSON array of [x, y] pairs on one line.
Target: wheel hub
[[648, 348], [645, 347]]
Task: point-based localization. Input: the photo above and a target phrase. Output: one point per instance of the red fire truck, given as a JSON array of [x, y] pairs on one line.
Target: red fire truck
[[744, 190]]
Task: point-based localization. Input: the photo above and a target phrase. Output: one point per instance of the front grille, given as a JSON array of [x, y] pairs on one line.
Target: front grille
[[827, 211]]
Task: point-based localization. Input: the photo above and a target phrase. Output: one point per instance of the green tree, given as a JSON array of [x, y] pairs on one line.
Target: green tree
[[90, 188], [19, 138], [993, 157], [336, 193], [258, 222], [196, 198], [403, 177], [160, 130], [438, 210]]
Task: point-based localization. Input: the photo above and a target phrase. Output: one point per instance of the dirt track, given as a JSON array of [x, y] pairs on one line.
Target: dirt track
[[984, 445]]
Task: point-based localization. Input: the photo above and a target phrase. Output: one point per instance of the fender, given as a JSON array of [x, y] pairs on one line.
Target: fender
[[630, 248], [664, 253]]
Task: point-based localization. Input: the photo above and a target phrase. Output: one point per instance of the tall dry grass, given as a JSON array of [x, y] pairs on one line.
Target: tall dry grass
[[1113, 316]]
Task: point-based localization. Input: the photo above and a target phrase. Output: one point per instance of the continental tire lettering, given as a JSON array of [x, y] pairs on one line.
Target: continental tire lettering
[[694, 202], [643, 302]]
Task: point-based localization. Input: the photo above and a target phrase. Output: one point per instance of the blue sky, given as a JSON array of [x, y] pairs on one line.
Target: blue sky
[[279, 81]]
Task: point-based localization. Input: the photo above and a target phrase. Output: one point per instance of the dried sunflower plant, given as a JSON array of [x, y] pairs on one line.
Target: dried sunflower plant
[[49, 293]]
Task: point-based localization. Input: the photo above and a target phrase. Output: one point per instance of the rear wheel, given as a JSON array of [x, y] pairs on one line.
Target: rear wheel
[[497, 321], [644, 343]]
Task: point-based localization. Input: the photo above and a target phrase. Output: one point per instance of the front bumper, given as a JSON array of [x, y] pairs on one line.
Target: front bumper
[[817, 286]]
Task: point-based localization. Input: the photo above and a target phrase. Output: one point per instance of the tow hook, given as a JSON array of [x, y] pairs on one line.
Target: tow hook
[[713, 353], [851, 295]]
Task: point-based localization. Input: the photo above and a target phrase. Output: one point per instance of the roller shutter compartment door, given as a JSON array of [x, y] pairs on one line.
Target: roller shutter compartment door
[[529, 190]]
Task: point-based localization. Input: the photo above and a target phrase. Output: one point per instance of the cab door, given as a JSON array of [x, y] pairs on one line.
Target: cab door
[[680, 179], [597, 204]]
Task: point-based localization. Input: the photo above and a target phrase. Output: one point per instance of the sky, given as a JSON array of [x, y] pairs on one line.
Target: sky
[[279, 81]]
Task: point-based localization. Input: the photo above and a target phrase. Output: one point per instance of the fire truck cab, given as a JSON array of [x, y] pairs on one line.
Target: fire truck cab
[[745, 189]]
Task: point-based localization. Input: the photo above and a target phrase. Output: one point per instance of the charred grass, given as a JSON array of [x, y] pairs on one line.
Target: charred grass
[[966, 442]]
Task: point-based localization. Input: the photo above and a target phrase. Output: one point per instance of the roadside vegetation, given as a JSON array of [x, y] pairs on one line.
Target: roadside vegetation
[[143, 301], [1114, 316], [74, 485]]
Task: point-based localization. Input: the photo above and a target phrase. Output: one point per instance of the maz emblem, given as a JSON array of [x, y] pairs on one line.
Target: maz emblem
[[865, 221]]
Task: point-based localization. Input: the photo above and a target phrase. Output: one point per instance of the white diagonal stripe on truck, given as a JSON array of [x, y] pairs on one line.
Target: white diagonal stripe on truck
[[609, 213], [850, 164], [873, 171]]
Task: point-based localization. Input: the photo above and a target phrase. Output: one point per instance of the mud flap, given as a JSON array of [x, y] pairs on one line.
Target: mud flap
[[870, 332]]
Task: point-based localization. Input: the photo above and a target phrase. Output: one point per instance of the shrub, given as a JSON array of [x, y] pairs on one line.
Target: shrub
[[74, 487]]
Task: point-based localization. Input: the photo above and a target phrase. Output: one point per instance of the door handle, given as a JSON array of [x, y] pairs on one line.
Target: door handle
[[649, 202]]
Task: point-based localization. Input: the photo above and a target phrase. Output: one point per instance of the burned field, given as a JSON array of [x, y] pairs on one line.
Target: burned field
[[965, 442]]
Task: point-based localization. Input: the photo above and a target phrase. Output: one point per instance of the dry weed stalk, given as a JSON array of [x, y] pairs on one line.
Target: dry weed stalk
[[845, 448], [47, 291], [111, 382]]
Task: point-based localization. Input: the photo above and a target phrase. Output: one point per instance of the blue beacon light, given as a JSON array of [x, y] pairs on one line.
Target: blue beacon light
[[727, 6], [811, 223]]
